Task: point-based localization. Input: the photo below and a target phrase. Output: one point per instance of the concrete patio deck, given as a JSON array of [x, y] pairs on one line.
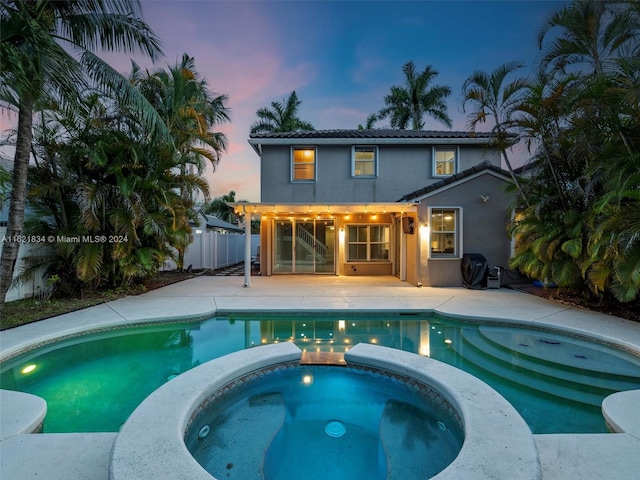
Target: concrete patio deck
[[611, 456]]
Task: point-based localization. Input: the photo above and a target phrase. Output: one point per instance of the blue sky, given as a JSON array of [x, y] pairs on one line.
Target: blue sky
[[341, 57]]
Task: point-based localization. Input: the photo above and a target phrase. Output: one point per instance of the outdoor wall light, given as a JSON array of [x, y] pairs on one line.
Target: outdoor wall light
[[485, 198]]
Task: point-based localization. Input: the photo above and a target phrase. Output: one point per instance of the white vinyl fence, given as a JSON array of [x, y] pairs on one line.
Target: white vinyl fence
[[215, 250], [209, 250], [30, 288]]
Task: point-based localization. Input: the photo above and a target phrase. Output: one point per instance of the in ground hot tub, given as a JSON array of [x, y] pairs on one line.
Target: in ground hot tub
[[258, 414], [326, 422]]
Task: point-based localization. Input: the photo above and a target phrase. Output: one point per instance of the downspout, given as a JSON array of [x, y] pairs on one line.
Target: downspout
[[247, 247]]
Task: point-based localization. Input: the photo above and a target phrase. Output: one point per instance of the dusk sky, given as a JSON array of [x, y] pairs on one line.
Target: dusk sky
[[340, 57]]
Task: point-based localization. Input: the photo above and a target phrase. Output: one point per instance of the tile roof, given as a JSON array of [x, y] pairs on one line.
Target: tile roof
[[452, 179], [373, 134]]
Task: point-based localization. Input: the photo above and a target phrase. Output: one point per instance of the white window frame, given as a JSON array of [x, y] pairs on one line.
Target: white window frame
[[368, 242], [456, 160], [315, 164], [354, 174], [457, 233]]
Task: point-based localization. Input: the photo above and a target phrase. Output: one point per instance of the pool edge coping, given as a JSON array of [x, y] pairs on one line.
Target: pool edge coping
[[151, 443]]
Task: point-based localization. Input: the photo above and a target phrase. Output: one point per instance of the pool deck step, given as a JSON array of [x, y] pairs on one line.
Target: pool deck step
[[587, 456], [56, 456]]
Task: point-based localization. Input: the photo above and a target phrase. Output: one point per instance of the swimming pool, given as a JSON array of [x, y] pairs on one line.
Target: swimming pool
[[93, 382]]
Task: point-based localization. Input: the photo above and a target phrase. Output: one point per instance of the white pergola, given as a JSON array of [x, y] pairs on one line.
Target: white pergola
[[316, 210]]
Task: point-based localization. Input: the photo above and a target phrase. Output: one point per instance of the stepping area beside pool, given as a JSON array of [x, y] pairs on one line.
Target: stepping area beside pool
[[80, 456]]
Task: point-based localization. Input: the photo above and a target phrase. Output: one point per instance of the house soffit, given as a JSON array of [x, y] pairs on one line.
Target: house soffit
[[323, 209]]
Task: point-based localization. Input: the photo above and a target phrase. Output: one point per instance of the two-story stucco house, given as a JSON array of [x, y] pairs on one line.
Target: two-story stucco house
[[380, 202]]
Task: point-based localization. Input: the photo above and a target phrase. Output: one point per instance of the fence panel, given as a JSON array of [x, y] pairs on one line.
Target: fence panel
[[30, 288], [215, 250]]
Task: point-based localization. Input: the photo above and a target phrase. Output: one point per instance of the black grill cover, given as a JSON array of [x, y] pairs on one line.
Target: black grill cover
[[474, 271]]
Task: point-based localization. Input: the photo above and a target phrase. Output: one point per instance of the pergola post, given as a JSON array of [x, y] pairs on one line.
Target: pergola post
[[247, 248]]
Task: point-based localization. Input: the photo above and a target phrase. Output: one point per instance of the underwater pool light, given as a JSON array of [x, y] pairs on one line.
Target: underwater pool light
[[29, 368]]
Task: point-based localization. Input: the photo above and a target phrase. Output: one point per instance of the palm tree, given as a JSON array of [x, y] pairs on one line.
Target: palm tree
[[281, 117], [35, 65], [408, 104], [103, 174], [5, 181], [370, 122], [190, 112], [219, 207], [496, 101], [614, 246], [540, 116], [592, 34]]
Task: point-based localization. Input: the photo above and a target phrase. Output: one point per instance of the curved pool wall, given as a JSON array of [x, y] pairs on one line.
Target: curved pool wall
[[151, 444]]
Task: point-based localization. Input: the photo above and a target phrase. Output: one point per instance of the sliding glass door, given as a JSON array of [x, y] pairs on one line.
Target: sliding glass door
[[304, 246]]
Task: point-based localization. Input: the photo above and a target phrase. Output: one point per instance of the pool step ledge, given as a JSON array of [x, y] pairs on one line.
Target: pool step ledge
[[20, 413]]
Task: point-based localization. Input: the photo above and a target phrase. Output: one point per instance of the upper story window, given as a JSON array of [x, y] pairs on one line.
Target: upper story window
[[368, 243], [445, 161], [364, 161], [303, 164], [444, 241]]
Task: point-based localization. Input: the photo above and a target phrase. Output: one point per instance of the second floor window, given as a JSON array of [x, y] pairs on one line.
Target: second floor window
[[364, 161], [445, 161], [303, 164]]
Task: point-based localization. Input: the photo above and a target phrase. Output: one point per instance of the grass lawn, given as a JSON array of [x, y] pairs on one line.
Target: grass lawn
[[21, 312]]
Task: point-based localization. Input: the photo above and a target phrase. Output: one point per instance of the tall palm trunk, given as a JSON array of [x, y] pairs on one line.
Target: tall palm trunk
[[502, 140], [18, 195]]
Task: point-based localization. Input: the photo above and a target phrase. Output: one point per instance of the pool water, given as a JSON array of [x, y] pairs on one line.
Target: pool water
[[322, 423], [92, 383]]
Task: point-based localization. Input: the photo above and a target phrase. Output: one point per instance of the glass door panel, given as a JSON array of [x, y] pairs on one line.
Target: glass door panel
[[304, 250], [283, 247], [325, 246]]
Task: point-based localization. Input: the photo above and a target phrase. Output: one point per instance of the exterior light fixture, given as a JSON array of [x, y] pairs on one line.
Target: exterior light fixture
[[485, 198]]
